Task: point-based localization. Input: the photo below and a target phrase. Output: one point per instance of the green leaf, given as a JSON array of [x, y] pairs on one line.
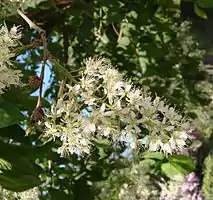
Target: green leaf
[[183, 163], [5, 165], [40, 151], [23, 173], [124, 41], [23, 100], [62, 71], [205, 3], [18, 182], [104, 38], [182, 159], [29, 102], [182, 168], [133, 14], [59, 195], [200, 12], [100, 142], [101, 153], [102, 145], [196, 144], [170, 170], [16, 133], [113, 17], [9, 114], [153, 155]]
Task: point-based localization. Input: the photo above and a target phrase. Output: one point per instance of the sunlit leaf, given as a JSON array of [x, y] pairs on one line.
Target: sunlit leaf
[[200, 12]]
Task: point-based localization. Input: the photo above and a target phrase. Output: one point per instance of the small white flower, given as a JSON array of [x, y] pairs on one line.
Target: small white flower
[[167, 149], [134, 96], [88, 127], [154, 144], [76, 89], [103, 107], [133, 145]]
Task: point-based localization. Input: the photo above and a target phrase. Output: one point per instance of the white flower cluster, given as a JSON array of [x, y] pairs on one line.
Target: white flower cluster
[[31, 194], [182, 188], [8, 40], [105, 104], [13, 5], [139, 185], [172, 189]]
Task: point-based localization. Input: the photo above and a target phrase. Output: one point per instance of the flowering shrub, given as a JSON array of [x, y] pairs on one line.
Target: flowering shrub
[[12, 5], [207, 179], [102, 110], [32, 194], [139, 184], [116, 109], [8, 41], [182, 189]]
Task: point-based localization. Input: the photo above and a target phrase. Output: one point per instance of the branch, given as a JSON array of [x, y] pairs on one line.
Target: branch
[[30, 23], [37, 113], [66, 57], [45, 55]]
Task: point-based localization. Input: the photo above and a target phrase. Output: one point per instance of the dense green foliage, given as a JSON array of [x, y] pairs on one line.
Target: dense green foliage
[[146, 40]]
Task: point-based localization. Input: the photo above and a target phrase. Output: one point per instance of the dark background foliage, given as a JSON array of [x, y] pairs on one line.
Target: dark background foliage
[[144, 39]]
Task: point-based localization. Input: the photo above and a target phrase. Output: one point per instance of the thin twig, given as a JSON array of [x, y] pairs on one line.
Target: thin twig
[[30, 23], [61, 88], [42, 32], [38, 112], [66, 57], [120, 35], [113, 26], [45, 55]]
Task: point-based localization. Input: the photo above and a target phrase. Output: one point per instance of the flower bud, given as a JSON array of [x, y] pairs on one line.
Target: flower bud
[[34, 81]]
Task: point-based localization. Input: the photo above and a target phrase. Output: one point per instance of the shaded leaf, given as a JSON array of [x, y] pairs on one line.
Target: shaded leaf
[[153, 155], [205, 3], [9, 114], [18, 182], [59, 195], [200, 12]]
